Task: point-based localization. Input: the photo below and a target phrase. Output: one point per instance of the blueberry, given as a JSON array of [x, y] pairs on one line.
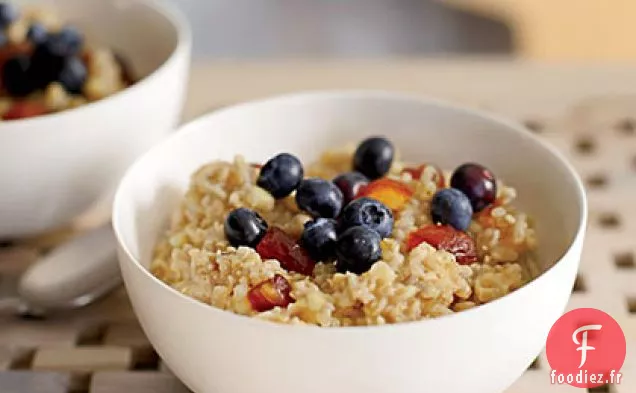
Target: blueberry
[[15, 76], [320, 198], [73, 75], [45, 66], [477, 183], [65, 43], [281, 175], [370, 213], [319, 239], [357, 249], [37, 33], [244, 227], [451, 207], [373, 157], [349, 184], [8, 13]]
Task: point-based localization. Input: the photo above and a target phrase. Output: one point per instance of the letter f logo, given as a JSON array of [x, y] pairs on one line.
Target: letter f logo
[[584, 347]]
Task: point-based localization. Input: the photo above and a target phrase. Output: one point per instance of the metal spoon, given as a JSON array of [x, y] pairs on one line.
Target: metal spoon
[[73, 275]]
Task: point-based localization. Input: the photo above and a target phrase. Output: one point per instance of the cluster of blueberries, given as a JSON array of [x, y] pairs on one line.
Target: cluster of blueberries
[[54, 57], [343, 228], [350, 229]]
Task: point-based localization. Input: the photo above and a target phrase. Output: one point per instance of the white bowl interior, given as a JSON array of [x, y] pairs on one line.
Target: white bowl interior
[[137, 30], [305, 125]]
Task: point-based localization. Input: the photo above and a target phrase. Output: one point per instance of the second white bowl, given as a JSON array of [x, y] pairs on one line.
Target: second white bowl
[[54, 167]]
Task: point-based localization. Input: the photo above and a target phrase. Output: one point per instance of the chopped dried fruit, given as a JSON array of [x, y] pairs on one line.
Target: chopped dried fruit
[[271, 293], [256, 166], [276, 244], [447, 238], [392, 193], [24, 109], [417, 172]]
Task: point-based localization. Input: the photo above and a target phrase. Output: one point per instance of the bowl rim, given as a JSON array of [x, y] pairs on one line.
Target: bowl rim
[[178, 22], [195, 126]]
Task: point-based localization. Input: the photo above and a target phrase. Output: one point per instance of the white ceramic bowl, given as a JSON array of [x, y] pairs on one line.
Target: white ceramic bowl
[[54, 167], [482, 350]]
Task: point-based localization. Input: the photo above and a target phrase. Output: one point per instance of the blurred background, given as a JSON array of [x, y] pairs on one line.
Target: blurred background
[[588, 30], [339, 28]]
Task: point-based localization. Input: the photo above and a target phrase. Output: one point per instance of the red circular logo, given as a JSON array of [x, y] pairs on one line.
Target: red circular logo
[[586, 348]]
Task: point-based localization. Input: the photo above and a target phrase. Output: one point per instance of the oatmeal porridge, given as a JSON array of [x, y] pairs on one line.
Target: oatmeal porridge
[[47, 66], [358, 237]]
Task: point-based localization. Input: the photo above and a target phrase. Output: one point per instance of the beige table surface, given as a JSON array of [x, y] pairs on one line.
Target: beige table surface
[[515, 88], [589, 112]]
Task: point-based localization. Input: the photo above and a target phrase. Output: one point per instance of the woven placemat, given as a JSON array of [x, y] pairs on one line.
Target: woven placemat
[[101, 349]]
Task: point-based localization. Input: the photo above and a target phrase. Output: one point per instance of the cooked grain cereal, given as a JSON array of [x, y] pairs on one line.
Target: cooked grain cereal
[[195, 258]]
